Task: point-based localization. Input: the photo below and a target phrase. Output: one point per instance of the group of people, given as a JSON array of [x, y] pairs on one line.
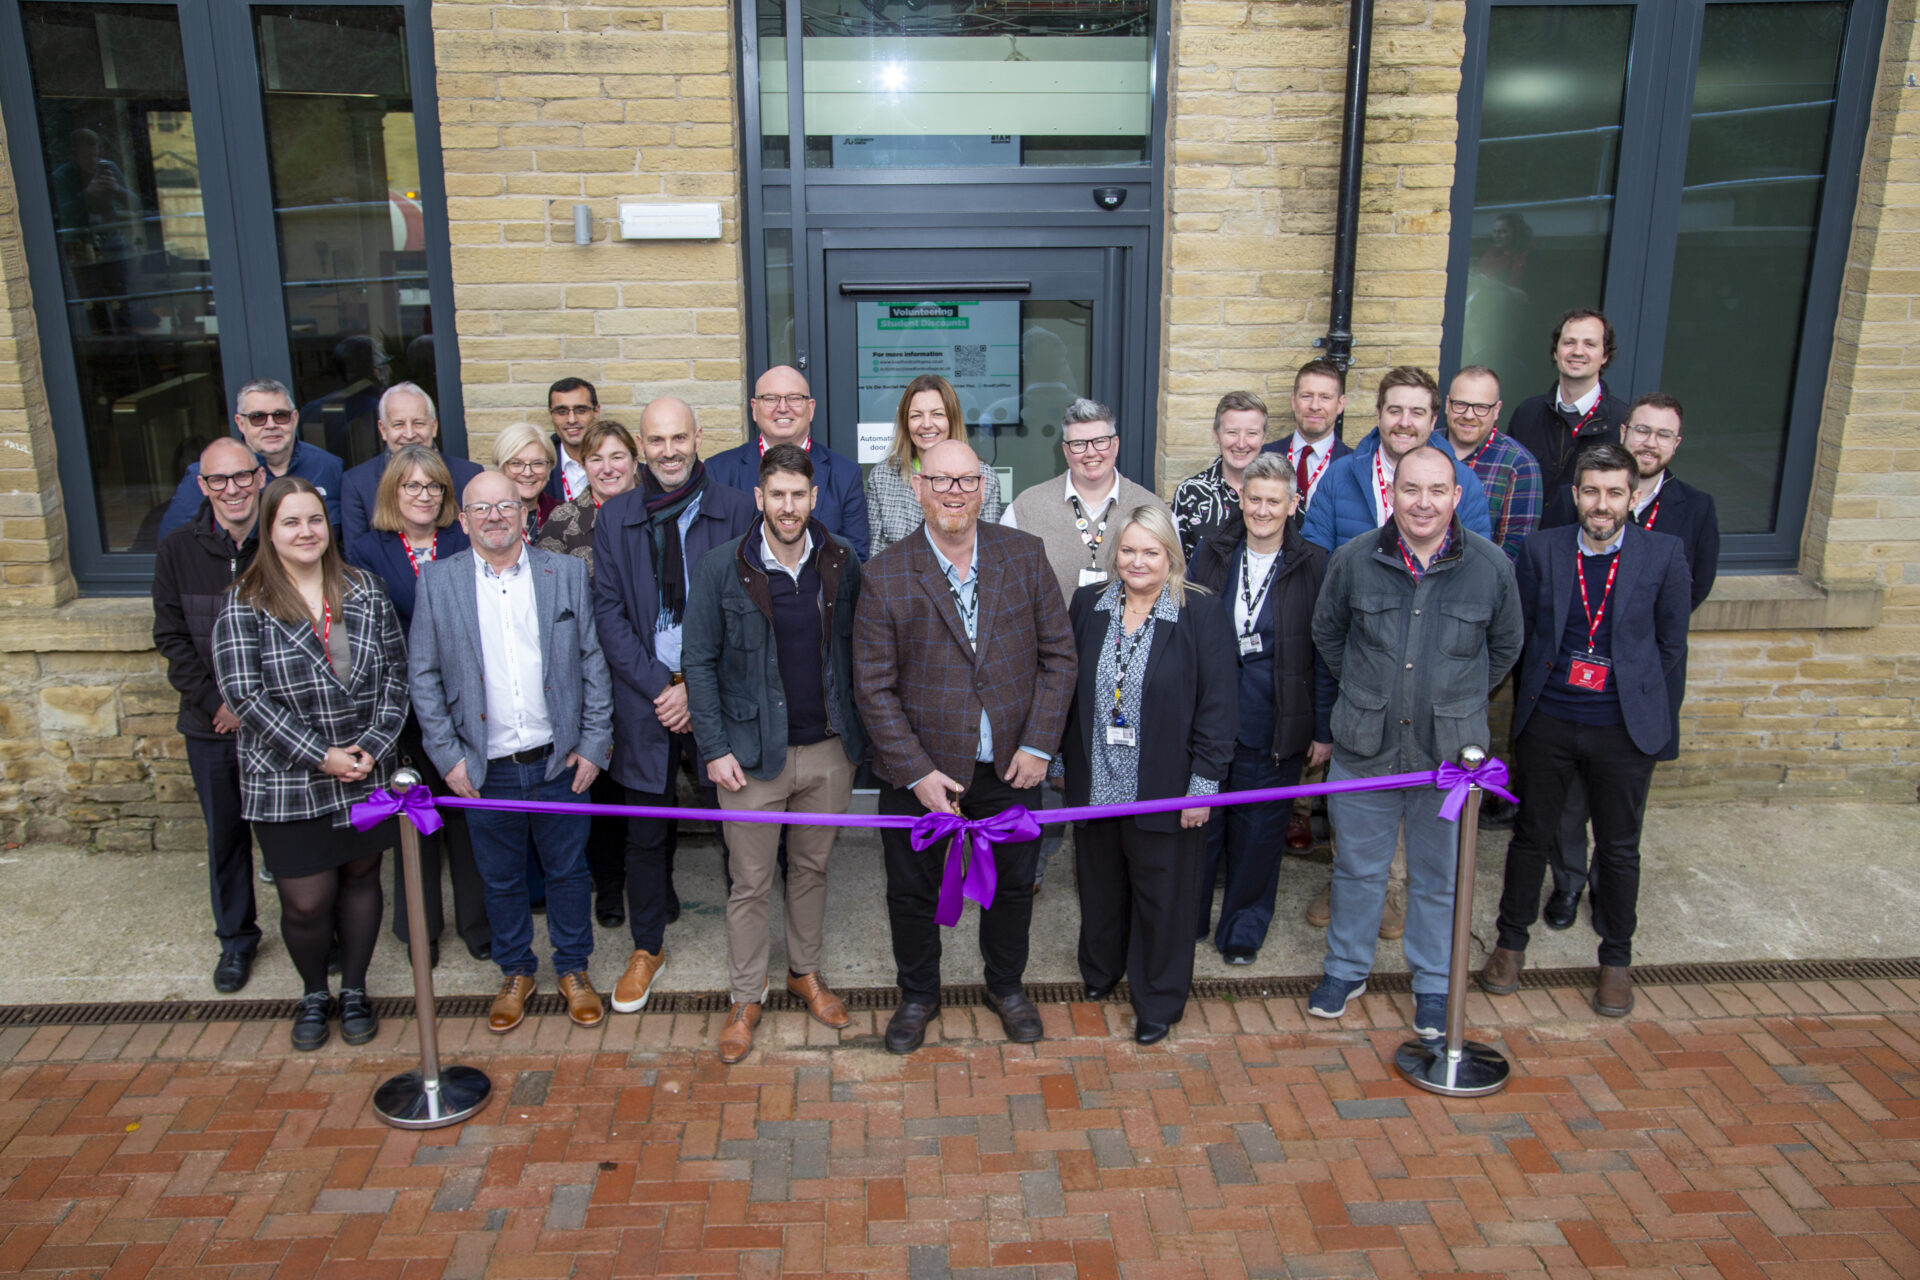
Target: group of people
[[602, 609]]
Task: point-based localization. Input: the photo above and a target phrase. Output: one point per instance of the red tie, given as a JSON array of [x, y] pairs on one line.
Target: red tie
[[1300, 471]]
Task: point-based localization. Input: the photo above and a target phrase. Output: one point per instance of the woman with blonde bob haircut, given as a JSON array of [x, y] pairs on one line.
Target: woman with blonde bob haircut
[[524, 453], [929, 412], [1155, 713]]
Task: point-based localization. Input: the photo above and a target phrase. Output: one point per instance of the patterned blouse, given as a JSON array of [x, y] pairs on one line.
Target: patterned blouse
[[1201, 504], [1115, 768], [569, 530], [893, 512]]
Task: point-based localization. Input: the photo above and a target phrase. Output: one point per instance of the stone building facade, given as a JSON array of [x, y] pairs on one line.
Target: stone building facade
[[1802, 684]]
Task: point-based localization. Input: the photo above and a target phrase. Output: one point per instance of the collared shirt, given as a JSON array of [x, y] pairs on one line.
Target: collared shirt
[[1511, 479], [1378, 467], [666, 635], [511, 667], [573, 476], [770, 562], [1640, 505], [966, 594], [1581, 406], [1414, 566], [1067, 494], [1202, 503], [1580, 540], [1317, 467], [1252, 582]]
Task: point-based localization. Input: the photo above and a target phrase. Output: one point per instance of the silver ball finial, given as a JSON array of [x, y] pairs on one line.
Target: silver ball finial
[[405, 779], [1472, 757]]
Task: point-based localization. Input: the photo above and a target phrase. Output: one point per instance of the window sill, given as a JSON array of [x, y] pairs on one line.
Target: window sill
[[1787, 602], [104, 624]]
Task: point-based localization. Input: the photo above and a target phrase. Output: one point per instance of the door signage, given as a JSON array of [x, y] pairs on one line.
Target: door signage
[[973, 345]]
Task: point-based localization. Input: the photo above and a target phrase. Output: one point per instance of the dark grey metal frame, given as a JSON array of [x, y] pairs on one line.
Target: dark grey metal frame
[[1657, 114], [826, 209], [223, 84]]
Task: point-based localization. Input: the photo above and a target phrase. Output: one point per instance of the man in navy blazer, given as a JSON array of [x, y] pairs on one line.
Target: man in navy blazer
[[1319, 398], [1606, 606], [646, 543], [1355, 495], [406, 417], [782, 408]]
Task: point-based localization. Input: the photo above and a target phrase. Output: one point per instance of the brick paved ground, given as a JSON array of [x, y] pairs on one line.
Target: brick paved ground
[[1738, 1131]]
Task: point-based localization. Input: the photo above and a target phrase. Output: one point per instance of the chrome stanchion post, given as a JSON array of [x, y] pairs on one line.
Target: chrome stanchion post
[[1456, 1066], [434, 1095]]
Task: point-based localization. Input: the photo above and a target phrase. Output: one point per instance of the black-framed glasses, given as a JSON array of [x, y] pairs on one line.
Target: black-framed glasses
[[573, 410], [238, 479], [946, 484], [1470, 409], [423, 488], [510, 508], [278, 417], [771, 401], [1099, 444]]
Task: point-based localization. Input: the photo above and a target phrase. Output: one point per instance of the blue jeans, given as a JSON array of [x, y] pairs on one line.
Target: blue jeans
[[1251, 838], [500, 845], [1366, 829]]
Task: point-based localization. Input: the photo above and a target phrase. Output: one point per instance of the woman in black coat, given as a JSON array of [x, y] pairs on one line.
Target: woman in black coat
[[1153, 717]]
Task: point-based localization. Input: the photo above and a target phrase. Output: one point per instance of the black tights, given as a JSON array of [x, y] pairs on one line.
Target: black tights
[[312, 907]]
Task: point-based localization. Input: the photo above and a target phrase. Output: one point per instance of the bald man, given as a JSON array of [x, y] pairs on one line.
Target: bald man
[[645, 544], [782, 408]]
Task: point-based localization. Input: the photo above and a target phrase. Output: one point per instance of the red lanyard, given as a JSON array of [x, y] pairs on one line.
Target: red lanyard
[[433, 552], [1598, 400], [806, 444], [1313, 477], [325, 633], [566, 485], [1413, 566], [1653, 513], [1386, 490], [1580, 574]]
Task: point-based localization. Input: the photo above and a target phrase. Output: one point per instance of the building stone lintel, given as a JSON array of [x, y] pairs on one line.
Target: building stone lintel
[[1787, 602], [110, 624]]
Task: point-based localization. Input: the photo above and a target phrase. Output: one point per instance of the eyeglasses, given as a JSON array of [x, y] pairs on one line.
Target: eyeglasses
[[573, 410], [533, 468], [774, 402], [481, 510], [946, 484], [1636, 431], [1099, 444], [1468, 409], [423, 488], [238, 479], [279, 418]]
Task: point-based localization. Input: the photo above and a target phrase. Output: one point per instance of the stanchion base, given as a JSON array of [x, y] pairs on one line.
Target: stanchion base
[[405, 1102], [1479, 1070]]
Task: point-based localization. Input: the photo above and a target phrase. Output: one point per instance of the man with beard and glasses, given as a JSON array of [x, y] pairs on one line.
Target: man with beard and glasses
[[645, 544], [1606, 606]]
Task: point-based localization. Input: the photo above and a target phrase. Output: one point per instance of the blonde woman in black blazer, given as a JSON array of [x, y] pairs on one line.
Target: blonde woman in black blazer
[[1154, 716], [309, 655]]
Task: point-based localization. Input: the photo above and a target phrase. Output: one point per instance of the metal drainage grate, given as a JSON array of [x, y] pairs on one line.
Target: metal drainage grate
[[475, 1006]]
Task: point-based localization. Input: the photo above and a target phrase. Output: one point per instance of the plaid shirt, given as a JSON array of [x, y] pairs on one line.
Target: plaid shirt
[[292, 706], [1202, 503], [1512, 480]]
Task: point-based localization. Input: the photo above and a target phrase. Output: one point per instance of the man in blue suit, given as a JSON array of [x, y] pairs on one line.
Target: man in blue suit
[[646, 543], [1356, 494], [782, 407], [406, 417], [1606, 605], [264, 415]]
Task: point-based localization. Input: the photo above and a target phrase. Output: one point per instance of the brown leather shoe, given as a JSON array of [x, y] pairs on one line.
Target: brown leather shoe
[[510, 1006], [1501, 974], [1613, 998], [1299, 832], [1393, 915], [737, 1039], [821, 1003], [583, 1002], [636, 984], [1320, 910]]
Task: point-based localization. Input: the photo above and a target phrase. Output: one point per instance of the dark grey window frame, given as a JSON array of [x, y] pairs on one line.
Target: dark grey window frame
[[809, 202], [223, 82], [1656, 118]]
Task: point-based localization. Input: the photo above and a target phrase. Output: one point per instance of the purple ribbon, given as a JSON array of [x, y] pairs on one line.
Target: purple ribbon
[[416, 804], [1455, 781], [970, 871]]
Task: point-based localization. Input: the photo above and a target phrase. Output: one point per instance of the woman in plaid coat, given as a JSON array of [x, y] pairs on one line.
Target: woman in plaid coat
[[309, 655]]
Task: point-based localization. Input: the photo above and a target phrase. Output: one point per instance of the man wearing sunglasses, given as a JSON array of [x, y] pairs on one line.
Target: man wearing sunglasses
[[782, 407], [1507, 471], [265, 417], [406, 417]]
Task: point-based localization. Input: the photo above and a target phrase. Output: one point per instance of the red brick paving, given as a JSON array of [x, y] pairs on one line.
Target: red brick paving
[[1747, 1132]]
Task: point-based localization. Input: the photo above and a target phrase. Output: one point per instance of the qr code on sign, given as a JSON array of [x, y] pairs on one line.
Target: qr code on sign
[[970, 361]]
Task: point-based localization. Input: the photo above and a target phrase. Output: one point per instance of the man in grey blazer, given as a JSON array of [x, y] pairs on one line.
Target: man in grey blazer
[[514, 703]]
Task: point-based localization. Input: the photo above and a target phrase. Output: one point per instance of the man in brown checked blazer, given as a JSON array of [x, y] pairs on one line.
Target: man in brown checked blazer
[[963, 665]]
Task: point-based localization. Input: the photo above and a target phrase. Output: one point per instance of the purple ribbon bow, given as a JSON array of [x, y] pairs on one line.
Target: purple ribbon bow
[[970, 869], [416, 804], [1451, 778]]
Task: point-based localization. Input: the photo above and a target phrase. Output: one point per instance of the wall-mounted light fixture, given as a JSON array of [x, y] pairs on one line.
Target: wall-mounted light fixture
[[583, 224]]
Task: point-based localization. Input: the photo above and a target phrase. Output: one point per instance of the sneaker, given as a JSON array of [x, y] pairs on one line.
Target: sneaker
[[357, 1021], [1429, 1016], [636, 984], [1240, 955], [1393, 916], [266, 876], [310, 1020], [1331, 998], [1321, 912]]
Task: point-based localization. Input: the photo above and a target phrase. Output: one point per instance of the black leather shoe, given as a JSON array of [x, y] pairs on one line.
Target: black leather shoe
[[357, 1021], [1102, 992], [1497, 814], [1239, 955], [433, 954], [232, 972], [907, 1029], [1018, 1017], [482, 952], [610, 909], [310, 1020], [673, 909], [1145, 1032], [1563, 906]]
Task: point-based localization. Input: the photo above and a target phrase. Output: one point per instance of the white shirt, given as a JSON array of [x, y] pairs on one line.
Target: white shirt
[[510, 662], [1316, 468], [1641, 504], [1380, 511], [1068, 494], [1583, 404], [573, 476], [1254, 580], [770, 562]]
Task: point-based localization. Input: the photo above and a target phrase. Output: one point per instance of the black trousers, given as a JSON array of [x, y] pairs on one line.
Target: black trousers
[[646, 870], [215, 765], [450, 847], [913, 891], [1569, 862], [607, 838], [1549, 755], [1139, 895]]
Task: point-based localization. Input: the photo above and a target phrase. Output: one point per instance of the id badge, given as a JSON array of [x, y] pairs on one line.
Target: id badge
[[1122, 735], [1092, 577], [1589, 672], [1249, 644]]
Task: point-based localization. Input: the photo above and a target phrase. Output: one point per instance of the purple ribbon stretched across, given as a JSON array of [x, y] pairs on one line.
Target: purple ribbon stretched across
[[1452, 779], [417, 804], [970, 871]]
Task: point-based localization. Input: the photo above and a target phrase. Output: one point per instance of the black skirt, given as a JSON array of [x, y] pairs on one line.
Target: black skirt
[[314, 845]]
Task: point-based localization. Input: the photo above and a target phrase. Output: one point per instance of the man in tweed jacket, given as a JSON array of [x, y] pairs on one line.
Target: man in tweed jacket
[[963, 665]]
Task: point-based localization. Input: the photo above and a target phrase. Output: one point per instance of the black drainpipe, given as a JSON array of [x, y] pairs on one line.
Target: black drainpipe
[[1338, 344]]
